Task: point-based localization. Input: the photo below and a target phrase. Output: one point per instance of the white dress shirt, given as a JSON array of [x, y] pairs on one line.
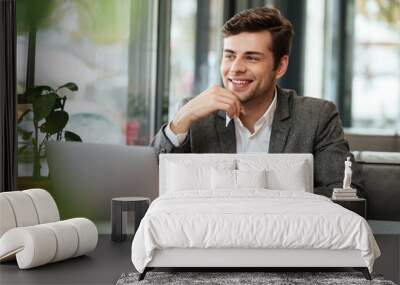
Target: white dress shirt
[[245, 140]]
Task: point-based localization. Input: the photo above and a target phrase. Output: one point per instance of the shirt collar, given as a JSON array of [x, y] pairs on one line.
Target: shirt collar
[[268, 116]]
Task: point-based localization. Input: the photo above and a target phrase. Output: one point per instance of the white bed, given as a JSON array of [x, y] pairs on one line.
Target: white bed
[[201, 219]]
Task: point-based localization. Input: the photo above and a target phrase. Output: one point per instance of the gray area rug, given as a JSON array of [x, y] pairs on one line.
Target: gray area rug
[[230, 278]]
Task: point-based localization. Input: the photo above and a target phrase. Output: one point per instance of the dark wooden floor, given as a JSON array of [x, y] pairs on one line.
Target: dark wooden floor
[[110, 259], [102, 266]]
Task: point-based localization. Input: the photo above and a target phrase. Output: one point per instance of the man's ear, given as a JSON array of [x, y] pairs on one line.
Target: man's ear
[[282, 67]]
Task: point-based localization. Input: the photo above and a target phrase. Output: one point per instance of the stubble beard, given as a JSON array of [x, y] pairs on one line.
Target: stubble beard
[[259, 96]]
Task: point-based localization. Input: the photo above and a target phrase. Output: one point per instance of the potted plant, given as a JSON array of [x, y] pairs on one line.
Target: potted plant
[[45, 106]]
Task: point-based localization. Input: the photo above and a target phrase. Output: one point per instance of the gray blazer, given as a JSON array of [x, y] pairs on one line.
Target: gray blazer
[[300, 125]]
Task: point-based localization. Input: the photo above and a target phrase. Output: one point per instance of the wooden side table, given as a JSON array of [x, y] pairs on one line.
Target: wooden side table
[[138, 205], [357, 205]]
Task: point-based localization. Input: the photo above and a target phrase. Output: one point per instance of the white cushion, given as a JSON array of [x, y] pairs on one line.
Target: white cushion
[[251, 178], [34, 244], [40, 244], [189, 175], [294, 180], [182, 177], [87, 233], [223, 179], [282, 174], [7, 218], [45, 205], [23, 208], [236, 179], [67, 239], [26, 208]]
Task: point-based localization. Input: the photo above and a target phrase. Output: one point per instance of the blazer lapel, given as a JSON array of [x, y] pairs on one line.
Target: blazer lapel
[[226, 135], [281, 123]]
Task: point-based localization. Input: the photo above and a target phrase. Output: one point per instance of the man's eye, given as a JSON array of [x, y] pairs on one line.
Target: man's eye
[[252, 58], [229, 56]]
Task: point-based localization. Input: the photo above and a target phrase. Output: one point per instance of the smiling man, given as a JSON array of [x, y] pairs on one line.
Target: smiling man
[[251, 113]]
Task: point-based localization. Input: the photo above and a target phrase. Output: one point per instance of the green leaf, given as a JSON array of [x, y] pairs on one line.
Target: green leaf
[[71, 136], [40, 88], [22, 148], [55, 122], [43, 106], [31, 95], [70, 85], [23, 115], [58, 104], [26, 135]]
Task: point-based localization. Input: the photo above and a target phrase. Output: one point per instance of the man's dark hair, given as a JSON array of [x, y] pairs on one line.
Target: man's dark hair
[[263, 19]]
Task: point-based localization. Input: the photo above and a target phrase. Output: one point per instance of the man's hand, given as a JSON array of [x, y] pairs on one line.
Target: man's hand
[[209, 101]]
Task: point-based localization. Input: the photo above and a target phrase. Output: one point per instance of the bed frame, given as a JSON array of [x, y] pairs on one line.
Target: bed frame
[[242, 259], [246, 258]]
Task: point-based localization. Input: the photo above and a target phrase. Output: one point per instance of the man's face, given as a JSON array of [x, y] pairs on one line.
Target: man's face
[[247, 65]]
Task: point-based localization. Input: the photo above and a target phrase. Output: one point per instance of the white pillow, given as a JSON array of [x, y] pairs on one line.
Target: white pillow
[[251, 178], [293, 180], [188, 175], [283, 174], [223, 179], [236, 179]]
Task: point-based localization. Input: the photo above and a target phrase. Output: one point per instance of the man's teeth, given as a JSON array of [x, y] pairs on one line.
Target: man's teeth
[[240, 82]]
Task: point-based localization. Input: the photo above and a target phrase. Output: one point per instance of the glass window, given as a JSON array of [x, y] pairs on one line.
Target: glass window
[[184, 52], [183, 36], [215, 43], [376, 80], [108, 49], [314, 49]]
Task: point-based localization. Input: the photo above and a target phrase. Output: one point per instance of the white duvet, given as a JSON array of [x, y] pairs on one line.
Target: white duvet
[[253, 218]]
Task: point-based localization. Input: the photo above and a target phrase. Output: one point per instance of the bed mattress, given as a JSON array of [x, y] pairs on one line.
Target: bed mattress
[[250, 219]]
